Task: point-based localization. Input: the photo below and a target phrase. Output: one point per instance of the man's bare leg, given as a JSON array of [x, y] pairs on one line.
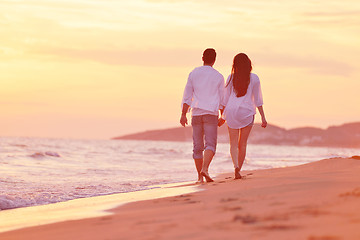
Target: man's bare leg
[[208, 156], [198, 165]]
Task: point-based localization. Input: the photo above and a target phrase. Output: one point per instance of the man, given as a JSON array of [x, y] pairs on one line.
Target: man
[[203, 93]]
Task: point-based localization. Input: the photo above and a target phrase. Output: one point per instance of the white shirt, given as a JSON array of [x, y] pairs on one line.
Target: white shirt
[[204, 91], [240, 110]]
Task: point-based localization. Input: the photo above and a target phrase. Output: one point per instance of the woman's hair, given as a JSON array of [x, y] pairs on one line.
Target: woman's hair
[[240, 74]]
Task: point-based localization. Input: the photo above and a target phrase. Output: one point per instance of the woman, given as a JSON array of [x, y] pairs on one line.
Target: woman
[[242, 96]]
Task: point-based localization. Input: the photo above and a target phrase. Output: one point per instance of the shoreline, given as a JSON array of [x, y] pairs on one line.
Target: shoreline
[[83, 208], [314, 201]]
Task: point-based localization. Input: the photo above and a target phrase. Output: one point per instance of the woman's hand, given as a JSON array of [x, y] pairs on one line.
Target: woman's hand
[[263, 119], [264, 123]]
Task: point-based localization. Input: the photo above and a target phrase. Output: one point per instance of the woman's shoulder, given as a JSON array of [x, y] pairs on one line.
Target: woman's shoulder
[[254, 77], [228, 78]]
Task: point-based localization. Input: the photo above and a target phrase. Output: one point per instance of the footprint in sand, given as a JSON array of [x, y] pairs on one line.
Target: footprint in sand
[[236, 208], [323, 238], [277, 217], [106, 218], [189, 201], [279, 227], [228, 199], [182, 196], [247, 219], [177, 198], [353, 193]]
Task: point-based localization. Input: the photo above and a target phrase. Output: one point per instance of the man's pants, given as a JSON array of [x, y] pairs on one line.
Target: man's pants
[[204, 128]]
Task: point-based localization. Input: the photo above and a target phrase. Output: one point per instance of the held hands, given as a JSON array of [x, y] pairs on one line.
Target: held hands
[[183, 120], [221, 121]]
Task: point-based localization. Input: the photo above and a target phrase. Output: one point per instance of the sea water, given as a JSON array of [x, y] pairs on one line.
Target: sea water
[[38, 171]]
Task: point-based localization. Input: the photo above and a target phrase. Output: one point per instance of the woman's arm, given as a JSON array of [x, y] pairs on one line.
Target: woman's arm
[[263, 119]]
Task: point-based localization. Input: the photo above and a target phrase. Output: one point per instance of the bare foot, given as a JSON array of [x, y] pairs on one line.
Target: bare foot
[[207, 177], [200, 179], [237, 173]]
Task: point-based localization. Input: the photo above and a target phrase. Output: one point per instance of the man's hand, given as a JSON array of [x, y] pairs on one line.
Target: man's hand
[[183, 120], [221, 121]]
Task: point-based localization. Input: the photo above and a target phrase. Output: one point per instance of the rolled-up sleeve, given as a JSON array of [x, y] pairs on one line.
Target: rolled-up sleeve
[[188, 92], [257, 94]]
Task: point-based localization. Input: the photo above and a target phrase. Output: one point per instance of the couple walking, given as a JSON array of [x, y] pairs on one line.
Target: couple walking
[[205, 94]]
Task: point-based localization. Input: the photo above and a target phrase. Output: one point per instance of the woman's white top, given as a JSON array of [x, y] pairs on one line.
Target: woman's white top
[[239, 111], [204, 91]]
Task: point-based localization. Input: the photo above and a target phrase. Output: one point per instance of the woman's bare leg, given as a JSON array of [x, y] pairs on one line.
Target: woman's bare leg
[[234, 141], [234, 152], [243, 138]]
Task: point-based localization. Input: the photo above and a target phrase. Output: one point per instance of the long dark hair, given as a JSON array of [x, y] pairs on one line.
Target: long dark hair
[[240, 74]]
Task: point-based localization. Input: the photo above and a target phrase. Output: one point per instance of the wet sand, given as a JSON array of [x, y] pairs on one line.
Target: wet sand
[[315, 201]]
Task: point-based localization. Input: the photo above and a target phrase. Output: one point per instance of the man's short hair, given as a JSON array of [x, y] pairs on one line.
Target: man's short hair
[[209, 56]]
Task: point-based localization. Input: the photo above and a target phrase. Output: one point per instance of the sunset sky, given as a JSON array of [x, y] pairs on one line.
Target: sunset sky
[[100, 69]]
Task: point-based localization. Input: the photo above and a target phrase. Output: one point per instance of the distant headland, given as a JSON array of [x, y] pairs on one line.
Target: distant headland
[[346, 135]]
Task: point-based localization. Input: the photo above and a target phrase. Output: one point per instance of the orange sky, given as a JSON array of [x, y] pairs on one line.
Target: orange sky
[[99, 69]]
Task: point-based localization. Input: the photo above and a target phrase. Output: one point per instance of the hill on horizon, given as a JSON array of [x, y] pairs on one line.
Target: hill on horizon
[[346, 135]]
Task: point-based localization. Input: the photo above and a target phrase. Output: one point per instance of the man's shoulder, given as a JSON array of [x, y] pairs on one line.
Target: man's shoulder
[[217, 72], [207, 70], [211, 70], [196, 69]]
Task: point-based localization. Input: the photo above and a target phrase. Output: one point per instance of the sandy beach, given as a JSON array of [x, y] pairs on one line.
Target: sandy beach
[[315, 201]]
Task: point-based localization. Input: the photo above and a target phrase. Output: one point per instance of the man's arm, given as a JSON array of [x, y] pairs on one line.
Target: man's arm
[[183, 119], [186, 102]]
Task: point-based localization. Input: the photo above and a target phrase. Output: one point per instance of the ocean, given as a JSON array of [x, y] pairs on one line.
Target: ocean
[[38, 171]]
